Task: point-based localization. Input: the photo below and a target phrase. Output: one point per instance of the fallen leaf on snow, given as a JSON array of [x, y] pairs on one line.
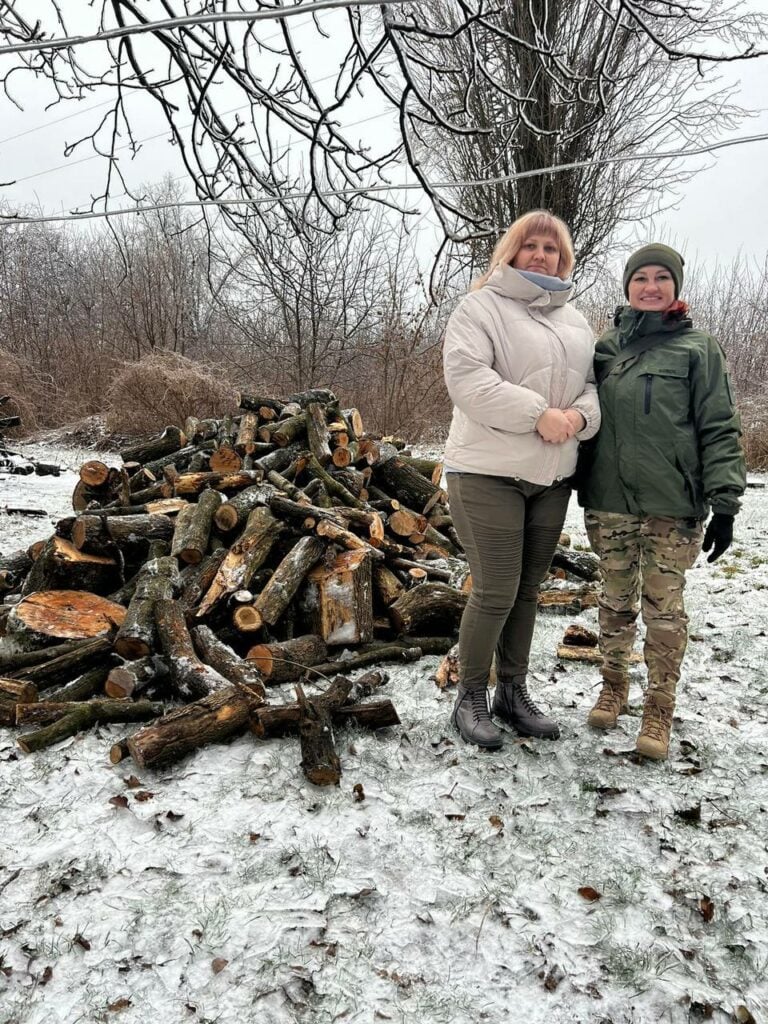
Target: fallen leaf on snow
[[218, 965], [81, 941], [588, 893], [119, 1004], [144, 795], [496, 821], [359, 792], [743, 1016], [706, 908], [692, 815], [173, 816], [119, 801], [132, 782]]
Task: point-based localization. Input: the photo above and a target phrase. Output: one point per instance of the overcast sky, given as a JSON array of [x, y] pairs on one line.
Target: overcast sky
[[723, 211]]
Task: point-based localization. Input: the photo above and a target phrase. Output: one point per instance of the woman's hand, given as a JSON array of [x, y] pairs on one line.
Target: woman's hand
[[577, 419], [554, 426]]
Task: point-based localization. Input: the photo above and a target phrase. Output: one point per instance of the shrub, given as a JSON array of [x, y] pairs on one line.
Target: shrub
[[754, 422], [34, 395], [164, 388]]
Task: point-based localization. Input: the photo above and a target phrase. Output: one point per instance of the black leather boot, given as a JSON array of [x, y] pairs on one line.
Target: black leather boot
[[512, 703]]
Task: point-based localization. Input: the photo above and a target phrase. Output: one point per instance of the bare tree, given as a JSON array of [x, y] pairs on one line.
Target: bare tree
[[555, 77]]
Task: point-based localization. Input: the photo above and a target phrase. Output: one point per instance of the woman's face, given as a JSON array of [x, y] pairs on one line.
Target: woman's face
[[539, 253], [651, 288]]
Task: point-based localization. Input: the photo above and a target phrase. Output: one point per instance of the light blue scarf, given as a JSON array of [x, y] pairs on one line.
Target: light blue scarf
[[550, 284]]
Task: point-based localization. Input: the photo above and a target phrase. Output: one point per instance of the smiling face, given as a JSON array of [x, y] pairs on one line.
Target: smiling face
[[651, 288], [539, 253]]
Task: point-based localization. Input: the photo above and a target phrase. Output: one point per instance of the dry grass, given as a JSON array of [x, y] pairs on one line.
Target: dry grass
[[34, 395], [754, 421], [165, 388]]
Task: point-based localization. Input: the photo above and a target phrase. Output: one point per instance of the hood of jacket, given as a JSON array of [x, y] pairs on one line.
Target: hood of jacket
[[636, 323], [510, 283]]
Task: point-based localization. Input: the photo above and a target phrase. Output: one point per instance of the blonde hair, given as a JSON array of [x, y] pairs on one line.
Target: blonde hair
[[536, 222]]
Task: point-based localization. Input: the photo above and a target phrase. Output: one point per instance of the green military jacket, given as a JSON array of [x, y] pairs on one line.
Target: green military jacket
[[669, 440]]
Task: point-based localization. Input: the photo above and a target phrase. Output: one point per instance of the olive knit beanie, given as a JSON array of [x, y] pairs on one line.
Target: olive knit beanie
[[658, 255]]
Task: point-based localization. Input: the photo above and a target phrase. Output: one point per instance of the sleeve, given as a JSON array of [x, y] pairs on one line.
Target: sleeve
[[718, 429], [474, 386], [588, 405]]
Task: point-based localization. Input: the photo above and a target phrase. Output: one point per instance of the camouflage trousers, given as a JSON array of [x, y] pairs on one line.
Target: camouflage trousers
[[642, 566]]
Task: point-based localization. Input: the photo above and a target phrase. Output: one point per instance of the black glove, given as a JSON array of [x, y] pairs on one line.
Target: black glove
[[718, 535]]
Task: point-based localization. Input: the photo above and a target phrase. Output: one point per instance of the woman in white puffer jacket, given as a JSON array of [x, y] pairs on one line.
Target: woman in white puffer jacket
[[518, 367]]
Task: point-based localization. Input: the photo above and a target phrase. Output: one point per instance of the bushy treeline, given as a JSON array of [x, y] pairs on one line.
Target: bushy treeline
[[156, 317]]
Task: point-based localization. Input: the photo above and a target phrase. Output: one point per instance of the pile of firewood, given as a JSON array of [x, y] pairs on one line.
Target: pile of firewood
[[12, 462], [224, 558]]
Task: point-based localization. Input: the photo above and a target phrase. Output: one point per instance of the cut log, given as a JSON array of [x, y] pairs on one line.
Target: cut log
[[196, 580], [339, 599], [65, 615], [159, 580], [582, 564], [580, 636], [225, 460], [87, 685], [213, 719], [191, 679], [193, 483], [568, 600], [243, 558], [407, 484], [60, 566], [354, 421], [94, 473], [224, 660], [18, 690], [171, 440], [387, 586], [424, 569], [193, 528], [84, 715], [428, 608], [317, 433], [245, 442], [345, 538], [233, 513], [281, 588], [286, 431], [135, 677], [319, 760], [99, 534], [286, 661], [373, 656], [567, 652], [254, 403], [69, 661], [332, 484]]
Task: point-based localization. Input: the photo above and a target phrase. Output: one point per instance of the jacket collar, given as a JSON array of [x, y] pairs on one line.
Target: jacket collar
[[634, 323], [507, 281]]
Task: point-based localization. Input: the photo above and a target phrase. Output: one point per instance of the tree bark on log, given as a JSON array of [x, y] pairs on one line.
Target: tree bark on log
[[94, 473], [243, 558], [98, 534], [286, 661], [224, 660], [406, 483], [431, 607], [87, 685], [319, 760], [171, 440], [233, 513], [213, 719], [582, 564], [61, 566], [317, 433], [387, 585], [373, 656], [193, 528], [82, 716], [196, 580], [190, 678], [281, 588], [18, 690], [159, 580], [127, 681], [193, 483], [72, 660]]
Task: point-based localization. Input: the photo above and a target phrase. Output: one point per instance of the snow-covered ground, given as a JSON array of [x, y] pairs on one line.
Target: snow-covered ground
[[228, 889]]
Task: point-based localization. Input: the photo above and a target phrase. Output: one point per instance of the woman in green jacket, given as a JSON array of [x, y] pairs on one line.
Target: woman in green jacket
[[668, 451]]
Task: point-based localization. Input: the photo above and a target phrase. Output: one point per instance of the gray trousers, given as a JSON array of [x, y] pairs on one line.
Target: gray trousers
[[509, 529]]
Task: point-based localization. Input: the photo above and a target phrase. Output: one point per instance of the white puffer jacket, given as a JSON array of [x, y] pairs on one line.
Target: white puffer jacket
[[513, 349]]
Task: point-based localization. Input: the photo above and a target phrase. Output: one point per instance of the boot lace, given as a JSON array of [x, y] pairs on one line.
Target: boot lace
[[478, 700], [527, 701], [609, 698], [656, 720]]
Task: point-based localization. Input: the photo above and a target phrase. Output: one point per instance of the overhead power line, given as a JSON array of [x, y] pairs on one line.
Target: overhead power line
[[40, 45], [404, 187]]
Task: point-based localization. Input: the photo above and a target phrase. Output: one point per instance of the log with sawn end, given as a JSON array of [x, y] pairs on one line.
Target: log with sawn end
[[70, 660], [100, 534], [18, 690], [233, 513], [61, 566], [213, 719], [223, 659], [159, 580], [64, 615], [428, 607], [407, 484], [242, 560], [193, 483], [281, 587], [190, 678], [317, 433], [287, 660], [319, 760], [89, 684], [193, 528], [171, 440], [135, 677], [339, 599]]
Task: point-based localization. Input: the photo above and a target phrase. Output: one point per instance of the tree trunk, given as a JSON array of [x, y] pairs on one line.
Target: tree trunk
[[87, 685], [406, 483], [373, 656], [193, 483], [431, 607], [70, 660], [243, 558], [317, 433], [159, 580], [191, 679], [286, 661], [212, 719], [282, 586], [65, 615]]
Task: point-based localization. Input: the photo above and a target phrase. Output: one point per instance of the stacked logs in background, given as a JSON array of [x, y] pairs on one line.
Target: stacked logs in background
[[12, 462], [220, 560]]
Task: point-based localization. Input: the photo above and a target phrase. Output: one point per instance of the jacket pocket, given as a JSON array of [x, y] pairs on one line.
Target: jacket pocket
[[665, 381]]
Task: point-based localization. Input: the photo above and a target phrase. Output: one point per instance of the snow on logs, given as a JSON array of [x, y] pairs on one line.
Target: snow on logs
[[284, 546]]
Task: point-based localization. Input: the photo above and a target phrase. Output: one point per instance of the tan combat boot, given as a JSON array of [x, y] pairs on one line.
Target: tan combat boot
[[611, 702], [653, 739]]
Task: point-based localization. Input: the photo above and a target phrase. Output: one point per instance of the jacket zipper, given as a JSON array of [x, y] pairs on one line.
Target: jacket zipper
[[648, 387]]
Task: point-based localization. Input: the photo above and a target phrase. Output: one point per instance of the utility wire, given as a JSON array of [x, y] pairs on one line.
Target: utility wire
[[41, 45], [405, 187]]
